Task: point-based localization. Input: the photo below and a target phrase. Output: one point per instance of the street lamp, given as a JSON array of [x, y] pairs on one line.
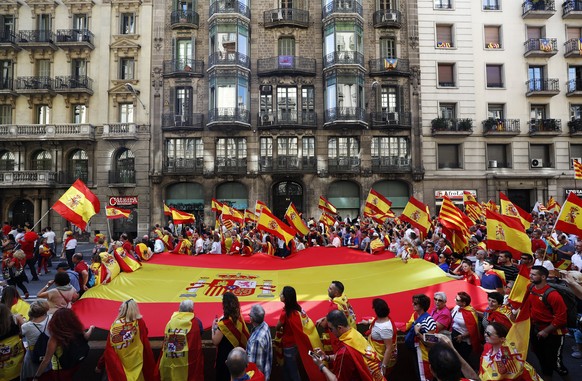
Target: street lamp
[[135, 92]]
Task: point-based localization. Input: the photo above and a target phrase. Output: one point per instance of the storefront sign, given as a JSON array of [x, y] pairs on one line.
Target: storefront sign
[[577, 192], [122, 200], [452, 194]]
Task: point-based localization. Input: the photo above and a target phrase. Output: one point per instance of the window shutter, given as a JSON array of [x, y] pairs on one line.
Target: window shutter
[[573, 33], [492, 35], [534, 32], [445, 74], [444, 34], [493, 75], [173, 100]]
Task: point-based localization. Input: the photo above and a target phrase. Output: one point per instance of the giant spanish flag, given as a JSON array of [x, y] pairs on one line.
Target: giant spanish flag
[[295, 221], [508, 208], [416, 214], [570, 218], [274, 226], [78, 204], [506, 233], [166, 280]]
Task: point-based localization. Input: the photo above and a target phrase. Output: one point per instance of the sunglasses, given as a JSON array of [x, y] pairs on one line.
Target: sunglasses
[[489, 334], [438, 300]]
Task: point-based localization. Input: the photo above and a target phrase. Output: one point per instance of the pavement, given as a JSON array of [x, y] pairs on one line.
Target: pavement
[[402, 371]]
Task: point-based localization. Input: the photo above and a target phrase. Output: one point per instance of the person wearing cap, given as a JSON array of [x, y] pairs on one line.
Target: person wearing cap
[[63, 267]]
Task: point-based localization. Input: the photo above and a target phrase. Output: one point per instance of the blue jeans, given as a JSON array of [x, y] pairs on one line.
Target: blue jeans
[[290, 369]]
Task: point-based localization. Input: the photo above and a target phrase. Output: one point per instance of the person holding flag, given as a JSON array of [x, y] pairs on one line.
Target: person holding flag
[[337, 301]]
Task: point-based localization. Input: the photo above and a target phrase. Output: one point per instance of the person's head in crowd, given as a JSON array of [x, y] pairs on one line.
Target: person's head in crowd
[[494, 300], [508, 287], [62, 278], [429, 247], [495, 333], [420, 303], [65, 326], [463, 299], [538, 275], [63, 267], [563, 239], [380, 307], [289, 298], [6, 320], [488, 263], [466, 266], [38, 308], [237, 362], [536, 233], [336, 289], [440, 300], [526, 259], [230, 306], [444, 363], [480, 254], [10, 296], [186, 306], [129, 311], [337, 322], [257, 314]]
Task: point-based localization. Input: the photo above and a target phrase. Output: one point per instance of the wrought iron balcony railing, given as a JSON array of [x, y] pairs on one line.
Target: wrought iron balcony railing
[[343, 58], [36, 36], [183, 19], [342, 6], [7, 37], [543, 86], [35, 83], [229, 114], [286, 65], [570, 6], [122, 176], [387, 18], [184, 67], [229, 6], [73, 83], [286, 16], [387, 119], [338, 114], [229, 58], [389, 66], [456, 126], [192, 121], [538, 5], [544, 46], [73, 36], [545, 125], [287, 117], [503, 126]]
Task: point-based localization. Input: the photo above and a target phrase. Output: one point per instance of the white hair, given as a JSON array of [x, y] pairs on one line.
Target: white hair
[[441, 294], [186, 306]]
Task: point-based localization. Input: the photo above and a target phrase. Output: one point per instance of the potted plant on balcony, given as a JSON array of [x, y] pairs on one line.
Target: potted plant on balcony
[[439, 124], [549, 125], [575, 125], [465, 124], [491, 124]]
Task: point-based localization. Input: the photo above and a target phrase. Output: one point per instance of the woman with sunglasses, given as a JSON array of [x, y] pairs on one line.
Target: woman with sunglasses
[[440, 313], [465, 335], [501, 359], [419, 324]]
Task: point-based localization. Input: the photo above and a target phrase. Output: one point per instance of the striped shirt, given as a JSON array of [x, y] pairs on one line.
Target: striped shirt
[[259, 349]]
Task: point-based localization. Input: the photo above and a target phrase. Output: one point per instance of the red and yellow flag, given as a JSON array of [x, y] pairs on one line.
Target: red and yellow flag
[[506, 233], [570, 218], [519, 289], [491, 205], [113, 213], [295, 221], [259, 207], [509, 209], [272, 225], [553, 206], [78, 204], [453, 219], [326, 219], [376, 204], [326, 206], [250, 216], [216, 206], [416, 214], [577, 170], [232, 214], [167, 210], [180, 217], [472, 207]]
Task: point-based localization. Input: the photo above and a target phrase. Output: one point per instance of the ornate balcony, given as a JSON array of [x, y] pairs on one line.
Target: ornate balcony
[[287, 164], [194, 166], [389, 67], [75, 38], [387, 18], [572, 9], [342, 7], [286, 17], [35, 85], [391, 120], [572, 48], [390, 164], [231, 166], [541, 47], [38, 132], [452, 127], [183, 67], [124, 178], [343, 58], [343, 165], [184, 122], [27, 179], [7, 86], [500, 127], [538, 9], [344, 117], [74, 84], [229, 58], [37, 39], [120, 131], [291, 118], [575, 127], [542, 87], [286, 65], [229, 117], [9, 41], [180, 19], [545, 127], [229, 6]]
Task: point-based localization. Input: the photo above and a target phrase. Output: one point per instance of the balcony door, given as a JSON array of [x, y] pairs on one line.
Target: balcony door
[[536, 78], [287, 104], [183, 103], [574, 78], [22, 211], [387, 48]]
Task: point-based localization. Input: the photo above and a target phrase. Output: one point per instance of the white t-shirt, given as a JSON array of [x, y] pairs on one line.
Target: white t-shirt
[[31, 333], [547, 264], [459, 323], [216, 248], [199, 248], [50, 237], [382, 331]]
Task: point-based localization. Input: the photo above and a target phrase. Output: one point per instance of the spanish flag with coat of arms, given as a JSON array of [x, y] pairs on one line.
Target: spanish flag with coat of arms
[[570, 218], [78, 204], [417, 214], [113, 213], [272, 225], [506, 233]]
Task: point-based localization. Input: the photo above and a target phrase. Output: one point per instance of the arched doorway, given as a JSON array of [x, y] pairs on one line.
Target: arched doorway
[[21, 211], [233, 194], [396, 191], [284, 193], [345, 196], [187, 197]]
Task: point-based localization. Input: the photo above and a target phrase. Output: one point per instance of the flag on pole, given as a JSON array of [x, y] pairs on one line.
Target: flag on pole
[[232, 214], [250, 216], [577, 170], [553, 206], [508, 208], [272, 225], [570, 218], [519, 289], [78, 204], [259, 207], [472, 207], [295, 221], [216, 206], [326, 219], [506, 233], [113, 213], [491, 205], [326, 206], [452, 218], [180, 217], [376, 204], [416, 214], [167, 210]]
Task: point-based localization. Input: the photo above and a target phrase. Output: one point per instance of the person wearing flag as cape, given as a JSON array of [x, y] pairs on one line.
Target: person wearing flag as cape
[[382, 336], [126, 262], [181, 357], [337, 301], [465, 335], [420, 322], [354, 359]]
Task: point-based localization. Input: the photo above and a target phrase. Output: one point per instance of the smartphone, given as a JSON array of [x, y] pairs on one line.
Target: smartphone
[[310, 353], [430, 338]]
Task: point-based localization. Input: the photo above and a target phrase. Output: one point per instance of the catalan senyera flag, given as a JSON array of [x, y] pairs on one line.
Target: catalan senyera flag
[[376, 204], [472, 207], [570, 218], [294, 219], [216, 206], [553, 206], [180, 217], [272, 225], [416, 214], [250, 216], [577, 170], [113, 213], [519, 289], [453, 219], [78, 204], [326, 206], [506, 233], [167, 210], [206, 278], [232, 214], [508, 208], [326, 219], [381, 217]]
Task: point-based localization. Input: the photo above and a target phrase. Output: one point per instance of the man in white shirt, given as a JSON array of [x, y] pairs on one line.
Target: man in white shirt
[[50, 236], [577, 257], [198, 244]]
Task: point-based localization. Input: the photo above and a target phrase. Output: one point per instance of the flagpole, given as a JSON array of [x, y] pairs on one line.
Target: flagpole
[[559, 214], [109, 230], [43, 216]]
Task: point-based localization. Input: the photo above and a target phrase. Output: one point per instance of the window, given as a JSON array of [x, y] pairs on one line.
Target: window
[[342, 39], [308, 104], [126, 112], [42, 161], [448, 110], [536, 78], [535, 32], [494, 76], [449, 156], [80, 22], [575, 153], [79, 114], [308, 152], [388, 47], [492, 37], [229, 93], [541, 155], [266, 154], [286, 46], [124, 168], [126, 68], [537, 111], [390, 152], [5, 114], [183, 102], [6, 27], [184, 154], [343, 153], [498, 156], [386, 5], [43, 68], [231, 154], [496, 110], [5, 75], [573, 33], [43, 114], [127, 23], [44, 27], [574, 78], [575, 111], [287, 153], [446, 75], [227, 40], [266, 100], [444, 36], [491, 5], [443, 4], [78, 166], [183, 53], [389, 99], [79, 68], [344, 92], [7, 161], [287, 104]]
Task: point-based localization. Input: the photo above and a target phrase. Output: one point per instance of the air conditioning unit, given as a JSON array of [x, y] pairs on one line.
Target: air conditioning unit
[[492, 164], [572, 159], [536, 163], [390, 16], [393, 117], [276, 16], [267, 119]]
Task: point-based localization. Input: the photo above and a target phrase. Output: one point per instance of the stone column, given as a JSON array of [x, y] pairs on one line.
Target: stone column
[[43, 209], [36, 203]]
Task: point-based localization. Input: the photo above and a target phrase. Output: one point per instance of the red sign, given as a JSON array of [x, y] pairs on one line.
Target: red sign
[[122, 200]]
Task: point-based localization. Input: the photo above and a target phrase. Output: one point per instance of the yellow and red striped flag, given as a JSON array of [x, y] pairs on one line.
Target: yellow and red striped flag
[[509, 209], [380, 217], [250, 216], [180, 217], [216, 206], [167, 210], [570, 218], [376, 204], [272, 225], [553, 205], [232, 214], [416, 214], [78, 204], [491, 205], [327, 219], [506, 233], [453, 219], [326, 206], [472, 207], [577, 170], [113, 213], [294, 219]]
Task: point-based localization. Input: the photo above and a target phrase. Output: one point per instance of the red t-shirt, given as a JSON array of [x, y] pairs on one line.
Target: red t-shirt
[[79, 267], [537, 243], [432, 257], [541, 315], [287, 340], [344, 366]]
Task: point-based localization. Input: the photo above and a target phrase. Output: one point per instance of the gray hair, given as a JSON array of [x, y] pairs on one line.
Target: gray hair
[[237, 362], [186, 306], [257, 313], [441, 295]]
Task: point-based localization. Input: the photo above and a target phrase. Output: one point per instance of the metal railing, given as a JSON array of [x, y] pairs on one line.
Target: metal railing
[[452, 125], [444, 4], [73, 82], [183, 66], [7, 83], [546, 45], [181, 165], [26, 36], [541, 5], [35, 83], [344, 164], [192, 120], [7, 37], [387, 17], [229, 6], [545, 125], [343, 58], [539, 85], [288, 117], [574, 85], [572, 46], [122, 176], [390, 119], [571, 6], [231, 165], [500, 125], [286, 64], [342, 6], [286, 16], [229, 58], [575, 126], [389, 65], [391, 162], [336, 114], [229, 114], [184, 17], [75, 35]]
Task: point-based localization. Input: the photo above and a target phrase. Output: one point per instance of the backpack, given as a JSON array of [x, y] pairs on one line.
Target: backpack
[[569, 299], [40, 346], [90, 279], [74, 353]]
